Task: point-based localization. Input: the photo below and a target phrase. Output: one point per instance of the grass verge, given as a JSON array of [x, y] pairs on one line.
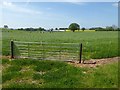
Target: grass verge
[[27, 73]]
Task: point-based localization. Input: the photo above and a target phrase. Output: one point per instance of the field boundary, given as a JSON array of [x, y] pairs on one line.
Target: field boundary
[[46, 50]]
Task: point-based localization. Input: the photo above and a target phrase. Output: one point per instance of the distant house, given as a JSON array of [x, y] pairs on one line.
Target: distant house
[[57, 30], [63, 28]]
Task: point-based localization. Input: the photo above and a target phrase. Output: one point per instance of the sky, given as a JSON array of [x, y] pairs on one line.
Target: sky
[[58, 14]]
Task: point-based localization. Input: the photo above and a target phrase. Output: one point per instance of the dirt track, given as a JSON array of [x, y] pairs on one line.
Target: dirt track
[[94, 62]]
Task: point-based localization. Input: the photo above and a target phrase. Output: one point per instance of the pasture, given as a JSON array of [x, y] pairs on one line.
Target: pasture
[[95, 44], [29, 73]]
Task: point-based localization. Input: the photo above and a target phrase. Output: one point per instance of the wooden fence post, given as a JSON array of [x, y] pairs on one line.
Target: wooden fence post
[[80, 53], [12, 49]]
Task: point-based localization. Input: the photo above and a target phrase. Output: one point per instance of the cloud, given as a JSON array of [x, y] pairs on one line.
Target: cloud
[[63, 0], [5, 4], [78, 3], [27, 2], [27, 11], [12, 7], [9, 4]]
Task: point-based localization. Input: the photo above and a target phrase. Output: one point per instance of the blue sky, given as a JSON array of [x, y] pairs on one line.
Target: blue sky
[[58, 14]]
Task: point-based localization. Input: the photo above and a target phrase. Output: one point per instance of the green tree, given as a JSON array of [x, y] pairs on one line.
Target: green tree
[[40, 29], [6, 26], [56, 28], [109, 28], [83, 28], [74, 26]]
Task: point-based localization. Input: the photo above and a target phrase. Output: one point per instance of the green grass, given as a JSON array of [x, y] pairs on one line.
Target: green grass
[[105, 76], [99, 44], [27, 73]]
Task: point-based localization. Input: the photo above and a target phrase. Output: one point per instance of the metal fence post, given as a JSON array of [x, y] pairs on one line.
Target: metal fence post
[[80, 53], [12, 49], [28, 51], [59, 52], [43, 52]]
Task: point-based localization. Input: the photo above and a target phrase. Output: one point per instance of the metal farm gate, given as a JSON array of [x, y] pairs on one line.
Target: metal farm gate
[[46, 51]]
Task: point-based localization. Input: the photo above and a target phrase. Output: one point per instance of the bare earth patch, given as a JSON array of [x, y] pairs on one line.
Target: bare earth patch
[[87, 63], [92, 63], [5, 57]]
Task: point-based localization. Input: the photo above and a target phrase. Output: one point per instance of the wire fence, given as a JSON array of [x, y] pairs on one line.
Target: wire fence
[[45, 51]]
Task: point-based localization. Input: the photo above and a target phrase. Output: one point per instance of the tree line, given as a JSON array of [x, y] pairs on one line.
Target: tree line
[[73, 27]]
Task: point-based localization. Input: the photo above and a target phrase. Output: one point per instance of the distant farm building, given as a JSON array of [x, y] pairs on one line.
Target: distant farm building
[[57, 30]]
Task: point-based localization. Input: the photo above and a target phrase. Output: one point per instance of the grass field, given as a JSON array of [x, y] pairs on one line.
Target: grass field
[[95, 44], [28, 73]]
